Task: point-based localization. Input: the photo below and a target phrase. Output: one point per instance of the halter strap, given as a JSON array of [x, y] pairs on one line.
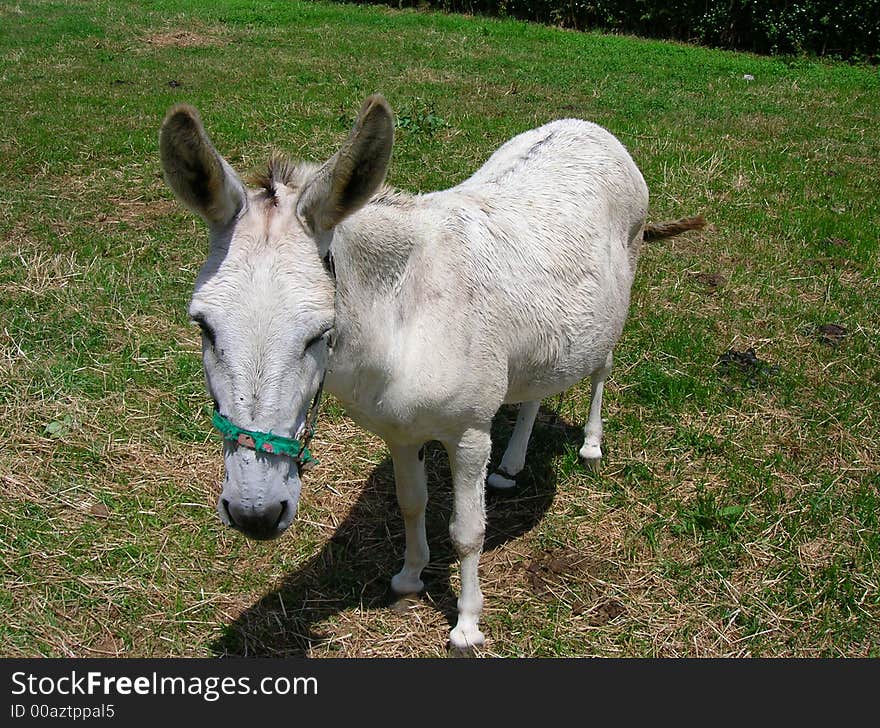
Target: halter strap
[[275, 444]]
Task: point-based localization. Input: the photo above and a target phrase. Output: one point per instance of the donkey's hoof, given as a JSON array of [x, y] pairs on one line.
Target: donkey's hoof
[[591, 457], [500, 482], [462, 641], [403, 584]]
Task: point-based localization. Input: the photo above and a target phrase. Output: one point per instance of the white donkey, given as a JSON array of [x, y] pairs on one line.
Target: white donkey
[[423, 313]]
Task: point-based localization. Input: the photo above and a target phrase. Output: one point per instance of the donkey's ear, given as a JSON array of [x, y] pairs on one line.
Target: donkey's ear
[[351, 176], [199, 176]]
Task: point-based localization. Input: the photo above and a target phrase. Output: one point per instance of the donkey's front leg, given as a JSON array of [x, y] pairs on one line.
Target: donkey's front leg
[[468, 457], [412, 496]]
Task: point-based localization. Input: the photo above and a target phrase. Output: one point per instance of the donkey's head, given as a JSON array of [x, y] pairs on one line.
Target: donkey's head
[[264, 299]]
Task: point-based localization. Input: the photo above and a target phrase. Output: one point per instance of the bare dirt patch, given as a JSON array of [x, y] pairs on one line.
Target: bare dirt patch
[[136, 214], [551, 574], [424, 74], [831, 334], [180, 39], [765, 124], [604, 612], [710, 281], [108, 645], [816, 554]]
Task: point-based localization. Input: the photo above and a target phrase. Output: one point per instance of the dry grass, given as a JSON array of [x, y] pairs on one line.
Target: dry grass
[[733, 516], [180, 39]]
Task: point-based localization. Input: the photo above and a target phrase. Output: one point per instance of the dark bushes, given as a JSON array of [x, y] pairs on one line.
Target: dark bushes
[[841, 28]]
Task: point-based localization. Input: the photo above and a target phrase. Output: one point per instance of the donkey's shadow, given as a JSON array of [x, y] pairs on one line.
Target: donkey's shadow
[[355, 566]]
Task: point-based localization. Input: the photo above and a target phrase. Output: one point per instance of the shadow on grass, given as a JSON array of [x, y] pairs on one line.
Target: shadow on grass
[[355, 566]]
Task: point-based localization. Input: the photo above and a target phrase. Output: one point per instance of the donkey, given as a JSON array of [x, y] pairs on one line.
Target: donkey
[[422, 314]]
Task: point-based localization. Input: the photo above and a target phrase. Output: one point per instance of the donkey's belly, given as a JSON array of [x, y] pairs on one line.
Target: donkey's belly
[[415, 405], [564, 359], [408, 424], [536, 385]]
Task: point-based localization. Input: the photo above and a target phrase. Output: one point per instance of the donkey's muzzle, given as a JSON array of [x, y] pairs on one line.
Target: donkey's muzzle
[[262, 522]]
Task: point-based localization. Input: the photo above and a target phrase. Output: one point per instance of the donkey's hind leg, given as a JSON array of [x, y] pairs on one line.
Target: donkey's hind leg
[[515, 455], [591, 452]]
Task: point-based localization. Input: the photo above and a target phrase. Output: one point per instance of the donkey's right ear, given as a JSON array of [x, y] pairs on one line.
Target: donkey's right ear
[[200, 177], [355, 173]]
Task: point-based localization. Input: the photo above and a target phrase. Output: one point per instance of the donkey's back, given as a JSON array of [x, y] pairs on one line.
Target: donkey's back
[[575, 166], [547, 233]]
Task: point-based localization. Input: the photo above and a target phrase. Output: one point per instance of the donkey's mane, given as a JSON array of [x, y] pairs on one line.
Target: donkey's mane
[[280, 169]]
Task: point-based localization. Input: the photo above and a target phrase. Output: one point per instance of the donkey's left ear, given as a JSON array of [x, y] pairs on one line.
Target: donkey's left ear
[[354, 174], [199, 176]]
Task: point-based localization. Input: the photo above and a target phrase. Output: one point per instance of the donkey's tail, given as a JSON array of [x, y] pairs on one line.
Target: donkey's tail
[[673, 227]]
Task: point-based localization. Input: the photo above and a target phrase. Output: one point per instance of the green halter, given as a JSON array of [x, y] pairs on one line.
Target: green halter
[[275, 444], [263, 441]]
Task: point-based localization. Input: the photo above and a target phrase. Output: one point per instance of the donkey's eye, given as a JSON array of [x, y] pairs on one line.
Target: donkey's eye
[[323, 336], [206, 329]]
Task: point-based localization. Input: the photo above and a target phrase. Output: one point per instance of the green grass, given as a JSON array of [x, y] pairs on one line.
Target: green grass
[[736, 513]]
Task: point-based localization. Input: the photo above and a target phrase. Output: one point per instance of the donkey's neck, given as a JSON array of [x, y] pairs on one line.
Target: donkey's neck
[[372, 253], [371, 249]]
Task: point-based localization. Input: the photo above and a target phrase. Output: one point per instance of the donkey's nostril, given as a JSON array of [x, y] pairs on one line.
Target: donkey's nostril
[[284, 504], [262, 521], [228, 514]]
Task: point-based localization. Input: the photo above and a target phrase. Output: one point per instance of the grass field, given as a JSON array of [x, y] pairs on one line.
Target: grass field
[[737, 510]]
